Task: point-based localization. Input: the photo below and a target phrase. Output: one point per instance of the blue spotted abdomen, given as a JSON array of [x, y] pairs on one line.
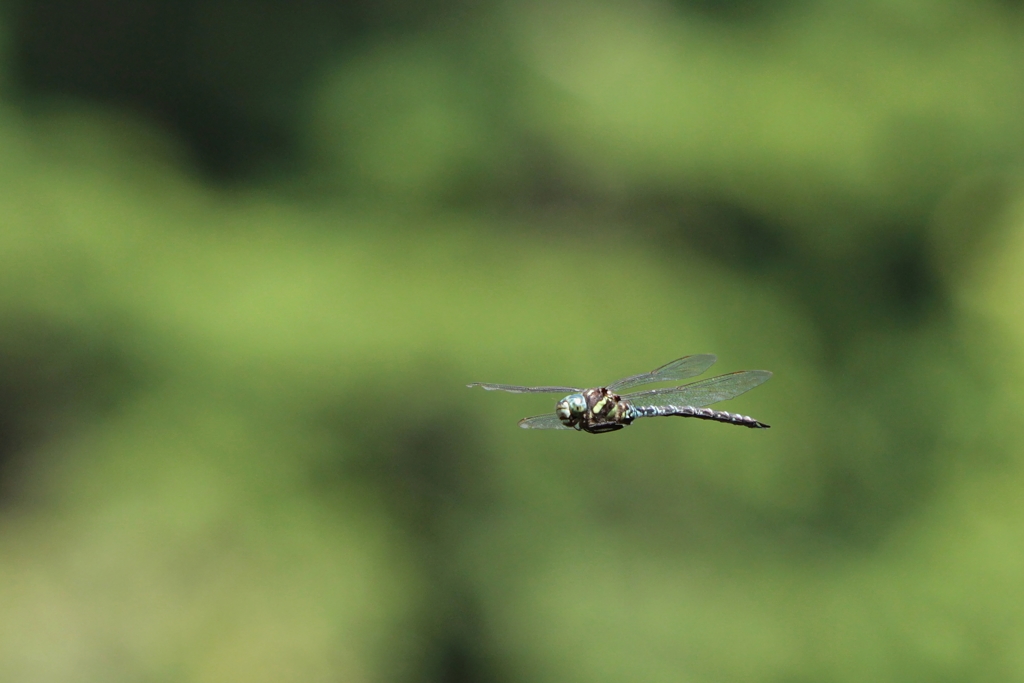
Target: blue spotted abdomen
[[699, 413]]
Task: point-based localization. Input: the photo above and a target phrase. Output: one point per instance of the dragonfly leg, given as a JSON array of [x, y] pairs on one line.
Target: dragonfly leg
[[602, 428]]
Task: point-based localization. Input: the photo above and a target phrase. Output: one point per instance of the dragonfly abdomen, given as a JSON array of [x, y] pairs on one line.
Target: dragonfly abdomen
[[699, 413]]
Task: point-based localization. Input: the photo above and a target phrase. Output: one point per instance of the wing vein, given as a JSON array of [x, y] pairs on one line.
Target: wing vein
[[680, 368], [702, 393], [525, 390]]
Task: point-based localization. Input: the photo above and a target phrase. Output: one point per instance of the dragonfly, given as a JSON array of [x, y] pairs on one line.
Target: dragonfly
[[604, 409]]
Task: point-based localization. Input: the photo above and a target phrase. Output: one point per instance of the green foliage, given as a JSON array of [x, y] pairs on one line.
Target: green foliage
[[235, 441]]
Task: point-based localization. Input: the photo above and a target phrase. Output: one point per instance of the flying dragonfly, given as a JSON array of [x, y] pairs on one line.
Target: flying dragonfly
[[603, 409]]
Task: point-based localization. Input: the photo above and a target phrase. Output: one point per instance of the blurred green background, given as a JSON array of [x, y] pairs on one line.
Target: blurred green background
[[252, 252]]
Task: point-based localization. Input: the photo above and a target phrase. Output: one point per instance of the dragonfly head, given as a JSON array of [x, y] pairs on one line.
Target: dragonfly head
[[571, 408]]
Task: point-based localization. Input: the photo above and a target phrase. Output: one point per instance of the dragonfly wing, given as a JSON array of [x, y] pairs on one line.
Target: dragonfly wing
[[703, 393], [681, 368], [549, 421], [526, 390]]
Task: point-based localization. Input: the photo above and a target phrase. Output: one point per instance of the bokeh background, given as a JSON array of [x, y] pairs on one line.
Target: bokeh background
[[252, 252]]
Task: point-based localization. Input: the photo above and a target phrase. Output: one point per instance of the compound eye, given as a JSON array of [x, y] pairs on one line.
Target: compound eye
[[562, 410], [577, 404]]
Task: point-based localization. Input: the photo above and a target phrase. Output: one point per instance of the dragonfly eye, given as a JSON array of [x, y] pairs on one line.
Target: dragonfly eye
[[577, 404], [562, 410], [570, 407]]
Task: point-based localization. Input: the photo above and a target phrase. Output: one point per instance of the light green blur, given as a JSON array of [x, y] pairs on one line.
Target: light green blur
[[270, 468]]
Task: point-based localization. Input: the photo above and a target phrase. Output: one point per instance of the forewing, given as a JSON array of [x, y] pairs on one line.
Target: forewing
[[549, 421], [703, 393], [681, 368], [526, 390]]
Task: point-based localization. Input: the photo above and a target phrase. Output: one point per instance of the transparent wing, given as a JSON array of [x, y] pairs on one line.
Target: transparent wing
[[526, 390], [549, 421], [703, 393], [681, 368]]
